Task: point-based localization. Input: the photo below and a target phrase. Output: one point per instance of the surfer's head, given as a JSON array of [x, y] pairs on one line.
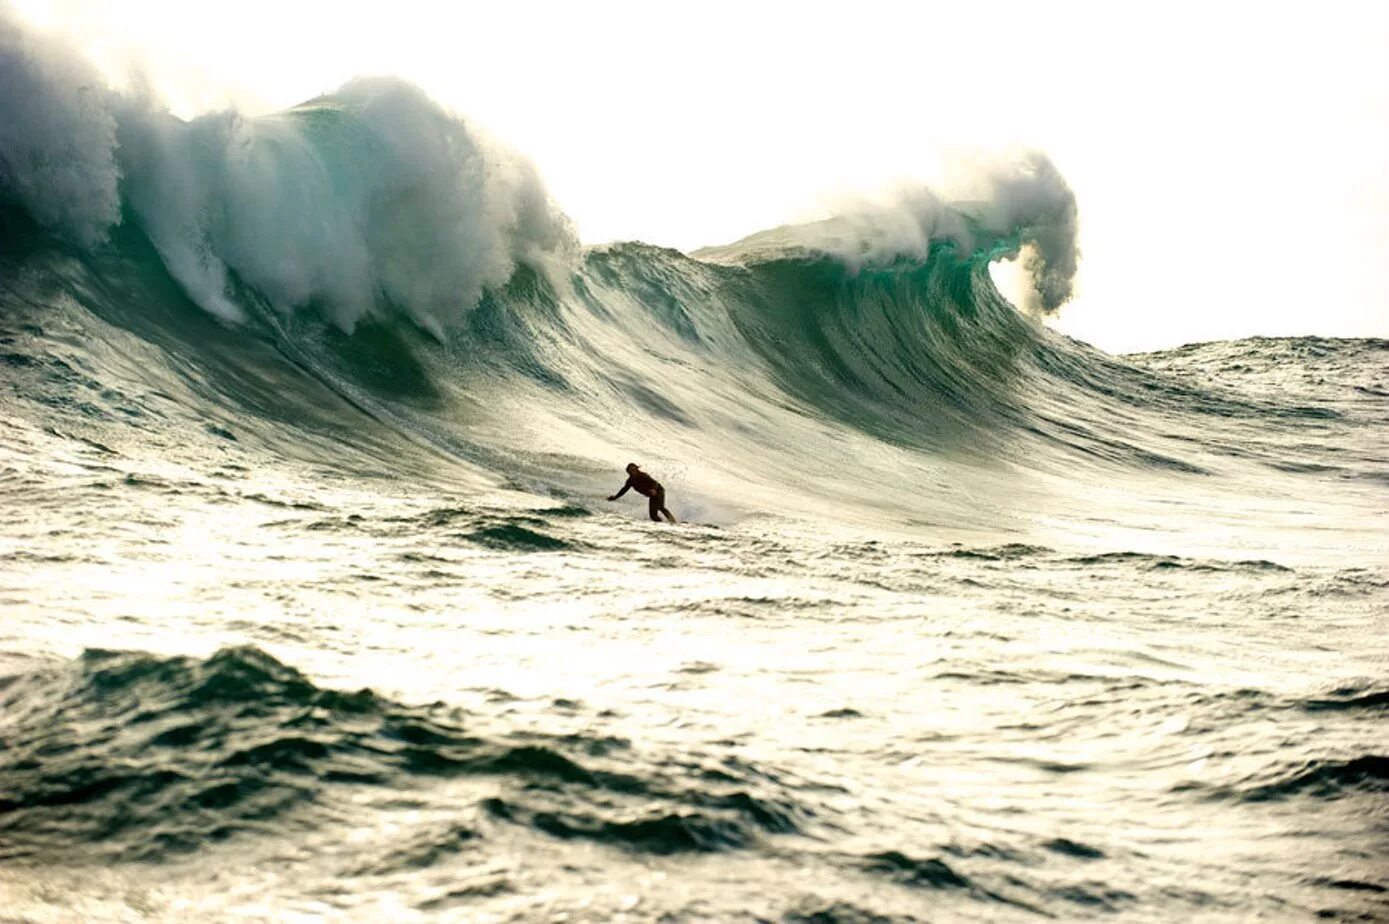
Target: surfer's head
[[632, 467]]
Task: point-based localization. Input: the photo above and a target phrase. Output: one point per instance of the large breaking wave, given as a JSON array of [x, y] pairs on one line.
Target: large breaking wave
[[370, 198], [373, 246]]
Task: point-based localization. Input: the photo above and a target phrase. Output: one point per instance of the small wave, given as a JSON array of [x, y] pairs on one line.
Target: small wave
[[813, 911], [928, 873], [987, 676], [513, 537], [1350, 698], [1151, 562], [1073, 849], [843, 713], [1329, 779], [1013, 551], [658, 834], [935, 874], [424, 849], [1326, 779], [1302, 468], [1353, 885], [567, 511], [516, 532], [132, 756], [1095, 895], [1314, 413]]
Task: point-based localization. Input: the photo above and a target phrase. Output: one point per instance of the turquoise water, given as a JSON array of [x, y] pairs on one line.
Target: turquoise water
[[314, 608]]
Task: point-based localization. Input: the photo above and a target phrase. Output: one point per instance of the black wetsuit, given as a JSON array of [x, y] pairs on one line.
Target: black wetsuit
[[644, 484]]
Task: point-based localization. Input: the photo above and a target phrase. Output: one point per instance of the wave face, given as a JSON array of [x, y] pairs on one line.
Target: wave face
[[824, 383], [369, 245]]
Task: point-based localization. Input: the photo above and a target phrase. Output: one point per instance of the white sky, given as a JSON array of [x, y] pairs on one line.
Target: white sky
[[1230, 160]]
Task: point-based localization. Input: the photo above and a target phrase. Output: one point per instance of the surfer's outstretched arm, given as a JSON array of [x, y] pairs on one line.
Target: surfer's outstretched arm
[[625, 487]]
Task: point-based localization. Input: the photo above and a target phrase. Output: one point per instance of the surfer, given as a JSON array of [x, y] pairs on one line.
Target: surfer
[[650, 487]]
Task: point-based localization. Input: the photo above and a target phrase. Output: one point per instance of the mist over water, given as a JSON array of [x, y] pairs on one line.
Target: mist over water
[[314, 606]]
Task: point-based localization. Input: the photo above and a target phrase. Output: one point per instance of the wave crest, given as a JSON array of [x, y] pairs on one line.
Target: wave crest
[[57, 137], [1025, 208], [370, 199]]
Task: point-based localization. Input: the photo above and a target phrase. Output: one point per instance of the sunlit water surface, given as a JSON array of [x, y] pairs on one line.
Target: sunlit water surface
[[577, 715]]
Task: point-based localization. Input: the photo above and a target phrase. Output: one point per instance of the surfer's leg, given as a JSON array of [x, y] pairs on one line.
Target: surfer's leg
[[658, 505]]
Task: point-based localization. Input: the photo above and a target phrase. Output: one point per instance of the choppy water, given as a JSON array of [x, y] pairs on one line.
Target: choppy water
[[581, 714], [313, 608]]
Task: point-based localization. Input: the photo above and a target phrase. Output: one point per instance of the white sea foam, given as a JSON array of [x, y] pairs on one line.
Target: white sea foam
[[57, 136], [373, 198], [1025, 199]]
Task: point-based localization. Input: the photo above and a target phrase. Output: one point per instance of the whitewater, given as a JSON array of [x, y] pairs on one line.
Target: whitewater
[[314, 607]]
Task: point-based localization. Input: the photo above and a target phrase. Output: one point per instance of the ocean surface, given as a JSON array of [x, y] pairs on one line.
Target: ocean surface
[[312, 606]]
